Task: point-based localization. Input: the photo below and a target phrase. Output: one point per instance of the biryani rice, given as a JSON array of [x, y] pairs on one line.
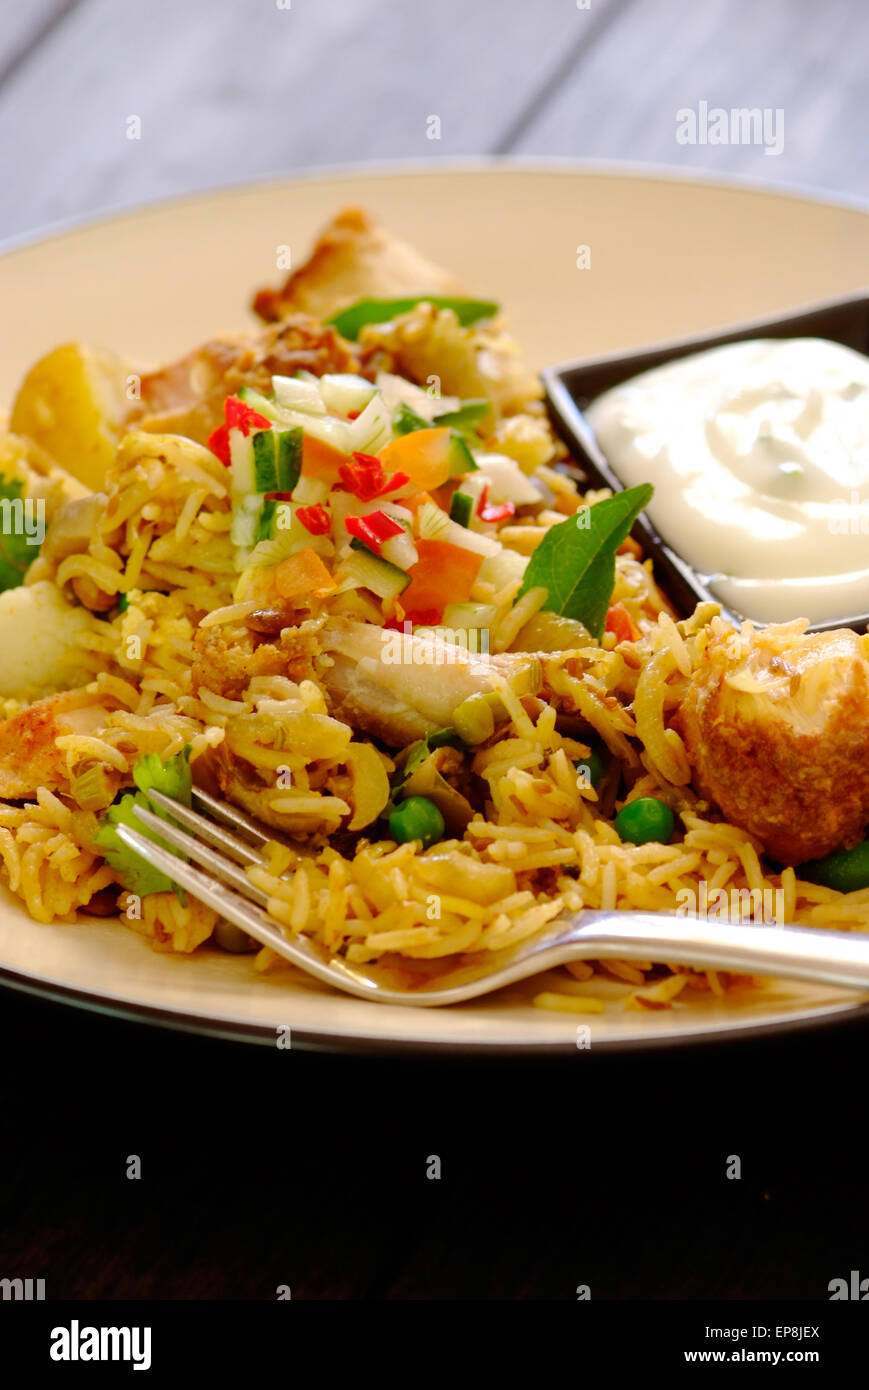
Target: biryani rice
[[163, 543]]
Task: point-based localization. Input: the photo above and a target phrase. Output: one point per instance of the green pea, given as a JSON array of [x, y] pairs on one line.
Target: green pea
[[591, 765], [645, 820], [845, 869], [417, 818]]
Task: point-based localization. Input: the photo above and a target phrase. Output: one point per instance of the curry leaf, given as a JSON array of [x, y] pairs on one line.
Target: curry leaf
[[350, 321], [576, 560]]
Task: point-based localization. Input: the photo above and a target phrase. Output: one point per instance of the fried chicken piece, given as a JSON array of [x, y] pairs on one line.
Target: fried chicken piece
[[399, 688], [186, 397], [29, 756], [354, 259], [776, 724]]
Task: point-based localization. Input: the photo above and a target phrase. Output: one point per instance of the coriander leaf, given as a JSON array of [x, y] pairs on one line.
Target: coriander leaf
[[350, 321], [174, 779], [16, 553], [575, 561], [135, 873]]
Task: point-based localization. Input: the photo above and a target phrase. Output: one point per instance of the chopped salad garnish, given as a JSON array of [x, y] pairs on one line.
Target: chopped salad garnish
[[343, 484]]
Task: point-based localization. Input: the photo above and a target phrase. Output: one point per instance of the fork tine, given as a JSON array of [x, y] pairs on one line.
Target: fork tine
[[251, 919], [231, 815], [206, 830], [201, 854]]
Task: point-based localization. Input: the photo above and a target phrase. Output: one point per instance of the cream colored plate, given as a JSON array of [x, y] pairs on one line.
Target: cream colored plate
[[668, 256]]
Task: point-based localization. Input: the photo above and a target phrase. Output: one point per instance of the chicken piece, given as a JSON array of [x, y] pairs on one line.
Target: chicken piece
[[29, 756], [186, 397], [399, 687], [776, 725], [354, 259]]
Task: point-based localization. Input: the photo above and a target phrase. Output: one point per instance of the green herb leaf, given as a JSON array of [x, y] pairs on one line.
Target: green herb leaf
[[466, 418], [576, 560], [174, 779], [16, 552], [406, 421], [350, 321]]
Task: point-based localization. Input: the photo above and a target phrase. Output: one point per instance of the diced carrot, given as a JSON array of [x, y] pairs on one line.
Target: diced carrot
[[416, 500], [424, 455], [443, 574], [303, 573], [620, 622], [320, 460]]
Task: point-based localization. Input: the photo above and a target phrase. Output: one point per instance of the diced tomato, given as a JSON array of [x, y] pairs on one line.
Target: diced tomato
[[315, 519], [241, 417], [218, 443], [424, 617], [620, 622], [443, 574], [303, 573]]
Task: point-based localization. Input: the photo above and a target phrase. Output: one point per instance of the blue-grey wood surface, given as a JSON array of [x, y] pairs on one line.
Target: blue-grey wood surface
[[231, 90]]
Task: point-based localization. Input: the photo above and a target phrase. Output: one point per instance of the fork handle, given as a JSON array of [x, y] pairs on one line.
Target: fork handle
[[799, 953]]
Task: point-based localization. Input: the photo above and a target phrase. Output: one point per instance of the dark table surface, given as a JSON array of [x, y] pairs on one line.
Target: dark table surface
[[262, 1168]]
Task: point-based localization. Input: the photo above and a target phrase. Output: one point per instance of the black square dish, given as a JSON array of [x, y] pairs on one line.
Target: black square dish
[[571, 386]]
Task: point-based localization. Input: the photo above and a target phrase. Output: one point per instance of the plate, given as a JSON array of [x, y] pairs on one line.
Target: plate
[[666, 256]]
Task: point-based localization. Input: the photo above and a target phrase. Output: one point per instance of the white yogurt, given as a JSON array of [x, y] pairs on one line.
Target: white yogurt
[[759, 455]]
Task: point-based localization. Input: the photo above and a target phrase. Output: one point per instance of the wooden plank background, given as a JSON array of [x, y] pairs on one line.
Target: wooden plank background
[[228, 91]]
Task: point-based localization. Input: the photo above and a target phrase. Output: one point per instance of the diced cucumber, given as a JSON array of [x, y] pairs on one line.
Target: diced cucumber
[[405, 420], [265, 475], [297, 394], [370, 430], [266, 526], [245, 518], [241, 459], [309, 491], [460, 458], [257, 401], [363, 570], [435, 525], [396, 390], [288, 458], [461, 508], [345, 392], [469, 615], [466, 417], [433, 522], [503, 567], [507, 482], [400, 551]]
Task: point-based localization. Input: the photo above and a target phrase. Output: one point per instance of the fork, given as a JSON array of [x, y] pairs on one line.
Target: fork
[[823, 956]]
